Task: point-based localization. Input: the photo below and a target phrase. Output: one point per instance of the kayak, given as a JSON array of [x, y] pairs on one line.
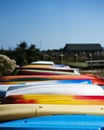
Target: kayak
[[36, 71], [4, 87], [54, 99], [45, 69], [14, 79], [57, 88], [21, 111], [54, 122], [42, 63]]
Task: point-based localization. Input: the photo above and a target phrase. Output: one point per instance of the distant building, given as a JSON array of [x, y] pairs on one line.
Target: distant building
[[84, 50], [93, 48]]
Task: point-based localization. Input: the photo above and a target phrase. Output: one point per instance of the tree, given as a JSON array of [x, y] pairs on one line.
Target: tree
[[20, 53], [33, 54], [22, 45]]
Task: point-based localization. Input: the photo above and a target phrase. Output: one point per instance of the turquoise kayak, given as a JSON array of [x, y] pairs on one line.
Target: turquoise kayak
[[56, 122]]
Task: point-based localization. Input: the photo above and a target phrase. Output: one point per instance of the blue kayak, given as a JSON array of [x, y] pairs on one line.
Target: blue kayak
[[59, 122]]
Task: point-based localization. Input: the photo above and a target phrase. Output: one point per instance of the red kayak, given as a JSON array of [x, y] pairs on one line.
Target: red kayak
[[44, 70], [54, 99]]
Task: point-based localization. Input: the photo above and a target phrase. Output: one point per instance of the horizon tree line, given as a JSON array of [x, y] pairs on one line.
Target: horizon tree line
[[24, 54]]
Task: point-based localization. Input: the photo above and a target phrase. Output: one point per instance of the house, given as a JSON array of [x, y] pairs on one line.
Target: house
[[93, 48], [83, 50]]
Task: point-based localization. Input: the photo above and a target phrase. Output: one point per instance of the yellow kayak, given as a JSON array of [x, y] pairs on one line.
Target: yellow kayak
[[20, 111]]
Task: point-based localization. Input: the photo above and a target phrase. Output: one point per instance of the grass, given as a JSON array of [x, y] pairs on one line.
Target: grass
[[77, 64]]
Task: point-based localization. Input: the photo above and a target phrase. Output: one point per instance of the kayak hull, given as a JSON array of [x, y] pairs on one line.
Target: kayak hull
[[54, 122], [14, 79], [56, 88], [4, 87], [54, 99], [10, 112]]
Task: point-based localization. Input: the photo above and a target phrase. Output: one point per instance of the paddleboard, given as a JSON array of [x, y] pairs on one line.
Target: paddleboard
[[56, 122], [20, 111]]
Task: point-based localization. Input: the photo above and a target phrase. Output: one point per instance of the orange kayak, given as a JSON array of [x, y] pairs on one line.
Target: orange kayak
[[14, 79]]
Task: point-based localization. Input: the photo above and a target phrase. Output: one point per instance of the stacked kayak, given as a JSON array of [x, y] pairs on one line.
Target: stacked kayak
[[4, 87], [18, 79], [54, 99], [54, 122], [45, 68], [20, 111], [56, 88], [43, 95]]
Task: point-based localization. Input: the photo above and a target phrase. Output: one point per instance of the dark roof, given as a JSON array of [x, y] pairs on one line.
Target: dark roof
[[83, 47]]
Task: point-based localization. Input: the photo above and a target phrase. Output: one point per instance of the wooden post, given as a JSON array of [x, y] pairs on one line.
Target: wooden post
[[76, 57], [61, 58]]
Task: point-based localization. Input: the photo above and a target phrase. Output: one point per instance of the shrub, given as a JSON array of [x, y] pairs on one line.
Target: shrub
[[7, 65]]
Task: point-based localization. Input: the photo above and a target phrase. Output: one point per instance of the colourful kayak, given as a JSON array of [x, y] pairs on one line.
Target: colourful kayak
[[54, 99], [31, 78], [21, 111], [56, 122], [45, 69], [35, 71]]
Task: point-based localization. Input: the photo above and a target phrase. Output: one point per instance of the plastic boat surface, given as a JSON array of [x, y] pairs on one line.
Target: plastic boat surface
[[21, 111], [54, 122], [58, 88], [4, 87], [31, 78], [45, 68], [54, 99]]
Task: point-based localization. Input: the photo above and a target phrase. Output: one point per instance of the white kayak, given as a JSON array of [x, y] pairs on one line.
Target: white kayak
[[4, 87], [72, 89]]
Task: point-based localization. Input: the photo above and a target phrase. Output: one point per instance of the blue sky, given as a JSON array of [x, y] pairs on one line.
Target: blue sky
[[50, 24]]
